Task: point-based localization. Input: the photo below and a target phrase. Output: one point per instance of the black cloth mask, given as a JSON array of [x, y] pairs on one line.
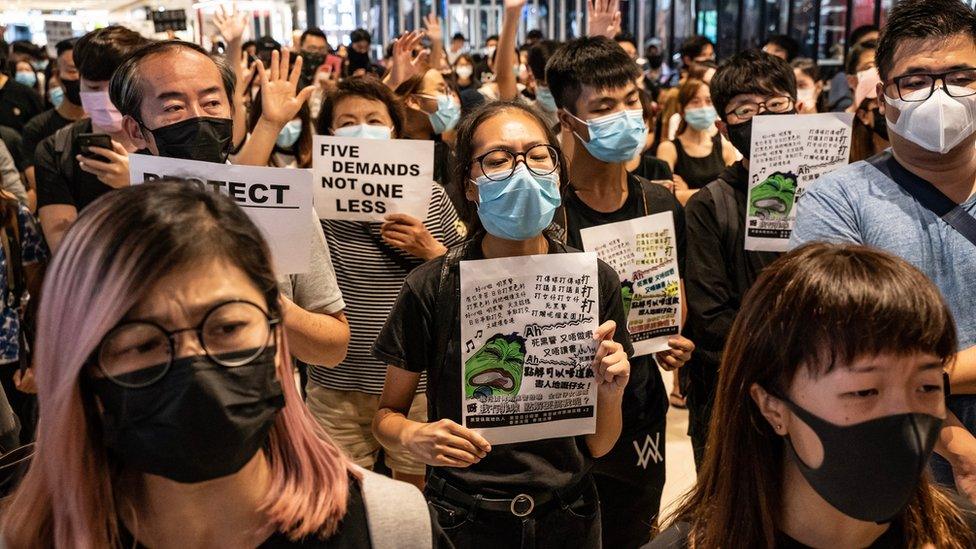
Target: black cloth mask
[[72, 90], [201, 421], [870, 470], [740, 135], [202, 138], [358, 61]]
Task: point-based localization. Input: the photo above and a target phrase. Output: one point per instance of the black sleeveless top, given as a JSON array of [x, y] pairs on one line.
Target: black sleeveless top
[[699, 171]]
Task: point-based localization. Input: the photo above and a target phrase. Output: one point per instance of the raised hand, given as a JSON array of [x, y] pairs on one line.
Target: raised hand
[[113, 171], [604, 18], [232, 25], [280, 98], [678, 355], [404, 65], [509, 4], [433, 26], [411, 235]]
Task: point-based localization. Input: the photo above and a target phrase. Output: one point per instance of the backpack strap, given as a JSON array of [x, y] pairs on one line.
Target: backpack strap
[[396, 513], [448, 297]]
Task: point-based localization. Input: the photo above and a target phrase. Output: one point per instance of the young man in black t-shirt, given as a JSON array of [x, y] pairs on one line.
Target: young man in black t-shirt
[[594, 84], [720, 270], [52, 120]]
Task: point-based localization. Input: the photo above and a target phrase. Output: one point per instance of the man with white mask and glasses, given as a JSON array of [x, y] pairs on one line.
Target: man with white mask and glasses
[[917, 199]]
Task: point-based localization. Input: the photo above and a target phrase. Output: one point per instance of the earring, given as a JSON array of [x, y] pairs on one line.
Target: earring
[[779, 428]]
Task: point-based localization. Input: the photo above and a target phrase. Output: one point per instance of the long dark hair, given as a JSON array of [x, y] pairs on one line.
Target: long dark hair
[[821, 306], [465, 151]]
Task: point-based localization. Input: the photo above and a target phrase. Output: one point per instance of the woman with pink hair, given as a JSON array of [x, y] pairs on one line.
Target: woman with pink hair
[[168, 413]]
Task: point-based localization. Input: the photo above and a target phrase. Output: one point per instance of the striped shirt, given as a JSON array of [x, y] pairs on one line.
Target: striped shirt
[[370, 273]]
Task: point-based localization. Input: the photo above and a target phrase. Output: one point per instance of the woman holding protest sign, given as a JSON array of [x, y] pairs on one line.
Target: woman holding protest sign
[[166, 391], [371, 261], [521, 493]]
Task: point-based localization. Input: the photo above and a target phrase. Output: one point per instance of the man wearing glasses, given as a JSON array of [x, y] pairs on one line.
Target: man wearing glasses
[[719, 270], [917, 200]]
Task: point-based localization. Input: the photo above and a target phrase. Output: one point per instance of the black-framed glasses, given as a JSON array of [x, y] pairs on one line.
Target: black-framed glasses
[[956, 83], [139, 353], [500, 164], [777, 105]]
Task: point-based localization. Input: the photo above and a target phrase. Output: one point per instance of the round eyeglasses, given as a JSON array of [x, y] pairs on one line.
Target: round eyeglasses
[[139, 353], [500, 164]]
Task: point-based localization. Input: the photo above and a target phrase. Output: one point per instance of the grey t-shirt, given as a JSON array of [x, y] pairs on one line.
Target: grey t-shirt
[[317, 290], [860, 204]]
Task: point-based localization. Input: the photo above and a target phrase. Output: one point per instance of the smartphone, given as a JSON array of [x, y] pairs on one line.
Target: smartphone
[[86, 140]]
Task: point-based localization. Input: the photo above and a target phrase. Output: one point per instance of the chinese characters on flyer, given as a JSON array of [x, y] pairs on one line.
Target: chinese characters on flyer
[[527, 333], [644, 253], [788, 153]]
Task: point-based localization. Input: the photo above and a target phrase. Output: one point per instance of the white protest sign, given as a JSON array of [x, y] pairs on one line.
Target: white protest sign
[[644, 252], [527, 333], [787, 154], [366, 179], [278, 200]]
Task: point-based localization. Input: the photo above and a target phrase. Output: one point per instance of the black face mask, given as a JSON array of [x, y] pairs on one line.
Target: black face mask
[[740, 135], [880, 125], [358, 60], [201, 421], [72, 91], [202, 138], [870, 470], [655, 61], [310, 63]]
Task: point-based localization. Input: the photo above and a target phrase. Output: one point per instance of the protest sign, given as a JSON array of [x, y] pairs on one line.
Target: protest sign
[[278, 201], [787, 154], [644, 252], [366, 179], [527, 329]]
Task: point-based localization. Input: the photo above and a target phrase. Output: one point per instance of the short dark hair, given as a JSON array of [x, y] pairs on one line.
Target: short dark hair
[[751, 71], [367, 87], [100, 52], [26, 47], [248, 44], [459, 36], [313, 31], [920, 20], [595, 61], [790, 45], [693, 46], [807, 66], [854, 56], [539, 55], [534, 34], [860, 32], [625, 37], [492, 37], [65, 45], [125, 88], [360, 35]]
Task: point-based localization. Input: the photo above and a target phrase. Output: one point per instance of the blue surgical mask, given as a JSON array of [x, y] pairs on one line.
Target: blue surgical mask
[[39, 65], [364, 131], [519, 207], [56, 96], [446, 117], [545, 99], [702, 118], [289, 134], [617, 137], [26, 78]]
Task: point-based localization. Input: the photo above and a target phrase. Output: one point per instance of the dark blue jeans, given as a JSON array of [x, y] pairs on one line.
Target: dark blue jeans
[[964, 406]]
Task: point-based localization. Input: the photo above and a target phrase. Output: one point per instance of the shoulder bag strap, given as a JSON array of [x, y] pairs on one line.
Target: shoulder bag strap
[[930, 197], [403, 524]]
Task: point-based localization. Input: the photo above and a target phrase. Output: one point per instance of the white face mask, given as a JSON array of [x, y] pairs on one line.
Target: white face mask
[[464, 71], [807, 96], [937, 124]]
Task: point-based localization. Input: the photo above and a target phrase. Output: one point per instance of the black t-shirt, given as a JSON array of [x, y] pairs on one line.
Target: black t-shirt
[[40, 127], [14, 143], [409, 341], [652, 167], [18, 104], [353, 532], [56, 184], [645, 398]]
